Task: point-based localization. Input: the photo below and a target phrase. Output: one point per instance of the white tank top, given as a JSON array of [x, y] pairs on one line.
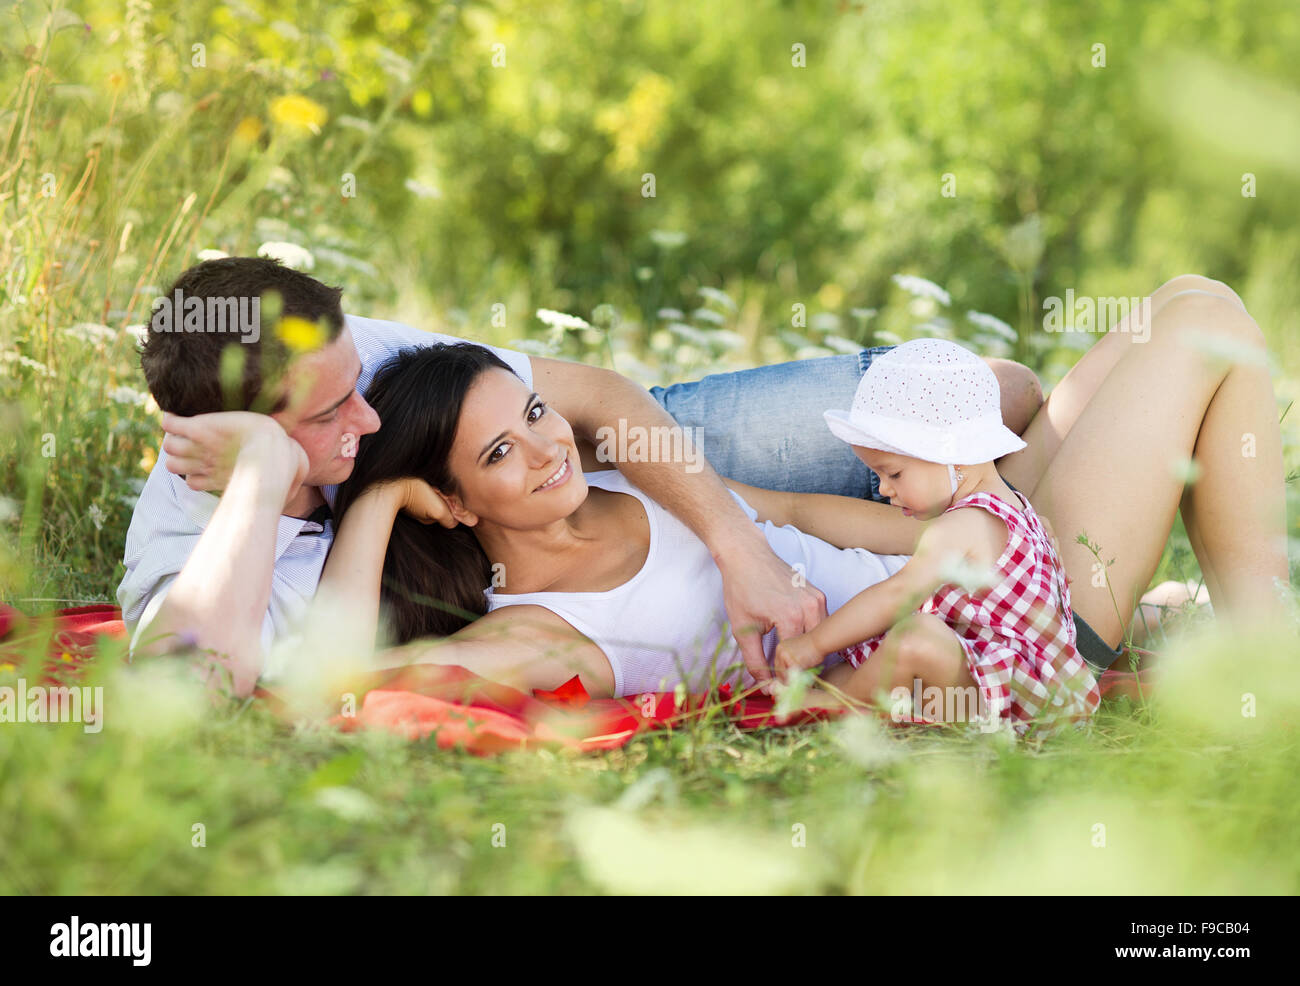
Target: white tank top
[[668, 623]]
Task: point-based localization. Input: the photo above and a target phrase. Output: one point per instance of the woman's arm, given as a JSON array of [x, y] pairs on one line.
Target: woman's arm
[[525, 647], [843, 521], [355, 566]]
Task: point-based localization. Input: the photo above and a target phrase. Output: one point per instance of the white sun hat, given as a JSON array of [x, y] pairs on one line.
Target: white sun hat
[[928, 399]]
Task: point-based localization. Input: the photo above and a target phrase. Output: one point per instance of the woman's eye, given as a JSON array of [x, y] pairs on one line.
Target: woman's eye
[[496, 455]]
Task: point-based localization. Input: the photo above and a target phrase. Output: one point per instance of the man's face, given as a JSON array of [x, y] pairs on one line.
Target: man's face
[[324, 406]]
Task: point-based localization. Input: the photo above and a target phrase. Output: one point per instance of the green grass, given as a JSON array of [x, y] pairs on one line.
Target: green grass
[[1193, 796]]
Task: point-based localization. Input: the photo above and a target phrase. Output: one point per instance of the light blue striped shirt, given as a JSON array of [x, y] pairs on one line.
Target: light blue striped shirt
[[169, 517]]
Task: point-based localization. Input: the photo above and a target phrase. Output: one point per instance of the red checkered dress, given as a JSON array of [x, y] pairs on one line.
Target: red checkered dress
[[1019, 635]]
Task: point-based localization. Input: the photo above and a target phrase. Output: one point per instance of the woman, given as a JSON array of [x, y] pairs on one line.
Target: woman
[[543, 549], [1100, 463]]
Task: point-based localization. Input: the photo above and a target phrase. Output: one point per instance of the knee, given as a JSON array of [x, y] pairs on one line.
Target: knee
[[925, 657], [1206, 313], [1196, 282], [1021, 392]]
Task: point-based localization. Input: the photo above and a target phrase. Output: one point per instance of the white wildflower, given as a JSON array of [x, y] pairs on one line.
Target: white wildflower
[[842, 345], [922, 288], [212, 254], [289, 254], [667, 239], [90, 332], [97, 516], [31, 364], [125, 395], [992, 324], [559, 320], [422, 191], [718, 297], [956, 570]]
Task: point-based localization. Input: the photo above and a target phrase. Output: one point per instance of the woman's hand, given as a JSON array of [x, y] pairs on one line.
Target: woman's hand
[[796, 653], [422, 501]]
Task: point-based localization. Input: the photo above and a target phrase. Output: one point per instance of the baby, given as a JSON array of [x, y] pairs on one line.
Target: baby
[[982, 609]]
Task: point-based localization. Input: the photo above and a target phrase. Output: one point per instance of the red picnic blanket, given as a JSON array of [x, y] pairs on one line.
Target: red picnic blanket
[[455, 706]]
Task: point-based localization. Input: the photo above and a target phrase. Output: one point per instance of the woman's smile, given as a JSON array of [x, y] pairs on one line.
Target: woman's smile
[[558, 478]]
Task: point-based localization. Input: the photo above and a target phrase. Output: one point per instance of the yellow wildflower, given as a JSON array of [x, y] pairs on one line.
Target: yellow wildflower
[[299, 334], [299, 113], [249, 129]]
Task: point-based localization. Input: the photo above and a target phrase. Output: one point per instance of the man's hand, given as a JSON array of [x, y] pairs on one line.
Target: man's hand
[[761, 591], [204, 448]]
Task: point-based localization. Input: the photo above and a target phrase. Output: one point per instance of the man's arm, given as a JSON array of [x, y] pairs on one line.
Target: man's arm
[[219, 599], [758, 588]]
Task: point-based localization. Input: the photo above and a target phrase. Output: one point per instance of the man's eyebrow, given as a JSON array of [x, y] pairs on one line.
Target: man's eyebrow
[[497, 441], [339, 403]]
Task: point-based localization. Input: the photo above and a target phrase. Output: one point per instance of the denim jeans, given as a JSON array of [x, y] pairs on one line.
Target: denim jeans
[[764, 427]]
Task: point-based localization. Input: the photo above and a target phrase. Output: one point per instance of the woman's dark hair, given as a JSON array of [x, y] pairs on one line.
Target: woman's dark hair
[[433, 576]]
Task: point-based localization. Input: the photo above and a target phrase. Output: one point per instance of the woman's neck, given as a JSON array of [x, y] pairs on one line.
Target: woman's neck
[[533, 558]]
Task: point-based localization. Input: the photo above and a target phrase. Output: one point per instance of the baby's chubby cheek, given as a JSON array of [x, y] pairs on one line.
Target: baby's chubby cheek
[[350, 442]]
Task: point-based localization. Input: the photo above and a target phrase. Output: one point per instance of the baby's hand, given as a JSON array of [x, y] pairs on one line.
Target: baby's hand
[[795, 653]]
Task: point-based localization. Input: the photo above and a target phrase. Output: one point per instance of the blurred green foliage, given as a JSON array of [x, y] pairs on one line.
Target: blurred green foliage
[[461, 165]]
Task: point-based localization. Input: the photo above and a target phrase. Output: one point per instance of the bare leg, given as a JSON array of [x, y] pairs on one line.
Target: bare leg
[[1067, 400], [1111, 475], [919, 649], [1062, 409]]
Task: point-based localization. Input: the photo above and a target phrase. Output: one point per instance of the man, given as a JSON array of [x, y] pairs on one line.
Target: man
[[234, 572]]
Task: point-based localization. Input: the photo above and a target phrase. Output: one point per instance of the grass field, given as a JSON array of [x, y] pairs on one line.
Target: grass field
[[1193, 793]]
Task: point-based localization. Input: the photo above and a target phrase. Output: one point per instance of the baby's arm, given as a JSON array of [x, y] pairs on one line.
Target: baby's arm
[[961, 534], [843, 521]]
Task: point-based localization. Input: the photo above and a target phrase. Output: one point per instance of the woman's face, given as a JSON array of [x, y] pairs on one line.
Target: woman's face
[[921, 488], [514, 458]]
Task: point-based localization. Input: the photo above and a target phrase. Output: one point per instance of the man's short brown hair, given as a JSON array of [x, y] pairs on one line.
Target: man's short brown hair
[[183, 368]]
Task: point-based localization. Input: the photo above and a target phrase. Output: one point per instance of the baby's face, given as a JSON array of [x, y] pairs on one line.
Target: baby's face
[[921, 488]]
